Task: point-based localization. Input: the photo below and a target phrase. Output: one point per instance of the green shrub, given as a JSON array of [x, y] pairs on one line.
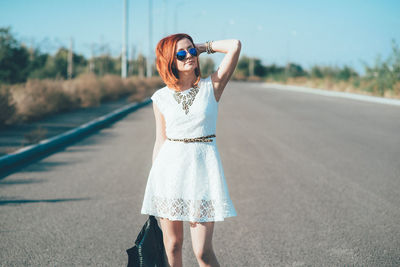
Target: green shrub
[[385, 74]]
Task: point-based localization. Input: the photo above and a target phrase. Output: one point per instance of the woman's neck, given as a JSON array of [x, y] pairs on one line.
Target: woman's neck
[[186, 80]]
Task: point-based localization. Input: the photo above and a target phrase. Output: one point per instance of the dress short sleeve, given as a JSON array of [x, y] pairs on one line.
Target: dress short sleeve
[[156, 98]]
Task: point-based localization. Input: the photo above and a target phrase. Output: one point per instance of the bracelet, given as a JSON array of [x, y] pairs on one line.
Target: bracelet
[[209, 49]]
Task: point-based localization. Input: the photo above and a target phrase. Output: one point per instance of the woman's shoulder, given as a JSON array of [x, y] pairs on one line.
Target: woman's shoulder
[[160, 91], [159, 94]]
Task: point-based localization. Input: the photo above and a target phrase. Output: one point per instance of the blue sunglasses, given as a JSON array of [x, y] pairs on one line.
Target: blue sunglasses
[[181, 55]]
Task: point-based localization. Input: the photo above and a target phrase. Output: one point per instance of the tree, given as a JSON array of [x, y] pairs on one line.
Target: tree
[[316, 72], [243, 66], [346, 73], [385, 74], [14, 58], [207, 66], [294, 70]]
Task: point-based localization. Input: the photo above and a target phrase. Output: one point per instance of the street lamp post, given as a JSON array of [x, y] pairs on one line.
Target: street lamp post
[[150, 56], [124, 40]]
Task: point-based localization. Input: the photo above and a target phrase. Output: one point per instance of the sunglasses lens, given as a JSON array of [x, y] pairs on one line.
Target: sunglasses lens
[[181, 55], [193, 51]]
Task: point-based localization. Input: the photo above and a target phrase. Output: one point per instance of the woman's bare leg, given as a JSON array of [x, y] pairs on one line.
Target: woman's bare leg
[[173, 240], [202, 243]]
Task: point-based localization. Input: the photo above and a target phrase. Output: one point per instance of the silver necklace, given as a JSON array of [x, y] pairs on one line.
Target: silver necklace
[[186, 99]]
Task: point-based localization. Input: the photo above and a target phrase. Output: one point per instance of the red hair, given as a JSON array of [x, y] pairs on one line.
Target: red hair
[[166, 59]]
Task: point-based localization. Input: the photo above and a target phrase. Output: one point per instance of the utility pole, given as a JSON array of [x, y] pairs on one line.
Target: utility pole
[[101, 57], [130, 65], [124, 40], [70, 60], [91, 62], [32, 50], [140, 62], [150, 56]]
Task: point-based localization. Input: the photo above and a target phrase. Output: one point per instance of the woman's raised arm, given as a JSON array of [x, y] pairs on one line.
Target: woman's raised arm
[[225, 70]]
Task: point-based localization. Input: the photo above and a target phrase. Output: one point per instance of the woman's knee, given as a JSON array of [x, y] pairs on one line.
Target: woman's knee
[[172, 235], [204, 254], [173, 244]]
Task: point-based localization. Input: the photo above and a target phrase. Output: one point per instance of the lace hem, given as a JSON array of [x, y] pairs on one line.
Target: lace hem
[[191, 210]]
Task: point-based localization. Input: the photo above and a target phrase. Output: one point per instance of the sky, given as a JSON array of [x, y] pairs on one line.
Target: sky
[[306, 32]]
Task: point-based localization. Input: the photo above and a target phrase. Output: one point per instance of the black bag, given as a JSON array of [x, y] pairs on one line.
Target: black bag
[[148, 250]]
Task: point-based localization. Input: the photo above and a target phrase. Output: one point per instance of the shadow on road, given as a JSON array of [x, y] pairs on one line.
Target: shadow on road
[[85, 142], [26, 201], [20, 181]]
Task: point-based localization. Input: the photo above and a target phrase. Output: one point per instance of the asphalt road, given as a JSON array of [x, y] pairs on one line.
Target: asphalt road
[[315, 181]]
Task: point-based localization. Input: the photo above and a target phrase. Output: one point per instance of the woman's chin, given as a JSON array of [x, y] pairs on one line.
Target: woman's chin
[[190, 66], [188, 69]]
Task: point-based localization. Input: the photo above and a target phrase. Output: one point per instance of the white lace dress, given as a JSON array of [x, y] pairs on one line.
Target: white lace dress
[[186, 181]]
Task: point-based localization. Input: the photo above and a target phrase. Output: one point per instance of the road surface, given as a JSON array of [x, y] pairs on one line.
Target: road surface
[[315, 181]]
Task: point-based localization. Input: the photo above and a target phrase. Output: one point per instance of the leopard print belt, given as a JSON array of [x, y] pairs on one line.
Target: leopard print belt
[[196, 139]]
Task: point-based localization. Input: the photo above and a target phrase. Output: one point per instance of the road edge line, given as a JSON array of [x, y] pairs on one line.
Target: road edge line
[[360, 97]]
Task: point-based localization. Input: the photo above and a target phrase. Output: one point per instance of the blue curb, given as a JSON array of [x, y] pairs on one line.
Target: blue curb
[[45, 146]]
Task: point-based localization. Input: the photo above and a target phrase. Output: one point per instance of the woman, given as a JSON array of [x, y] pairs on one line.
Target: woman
[[186, 181]]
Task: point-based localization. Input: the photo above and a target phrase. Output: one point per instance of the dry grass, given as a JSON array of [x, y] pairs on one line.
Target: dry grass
[[84, 91], [144, 87], [38, 98]]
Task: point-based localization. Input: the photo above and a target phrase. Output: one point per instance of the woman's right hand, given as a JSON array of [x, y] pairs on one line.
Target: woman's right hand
[[201, 48]]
